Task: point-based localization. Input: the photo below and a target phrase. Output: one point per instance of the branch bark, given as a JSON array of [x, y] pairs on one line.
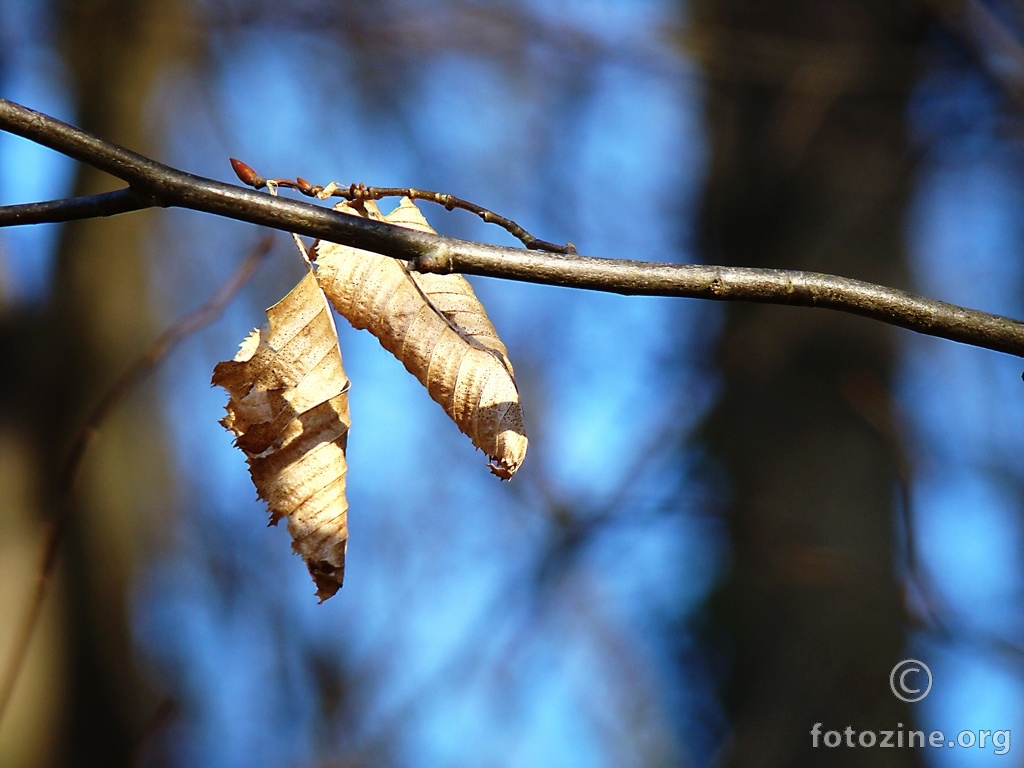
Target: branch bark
[[155, 184]]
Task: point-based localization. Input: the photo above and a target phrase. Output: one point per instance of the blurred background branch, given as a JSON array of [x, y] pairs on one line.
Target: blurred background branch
[[89, 432]]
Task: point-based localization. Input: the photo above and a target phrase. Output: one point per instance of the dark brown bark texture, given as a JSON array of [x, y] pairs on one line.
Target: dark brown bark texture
[[809, 169]]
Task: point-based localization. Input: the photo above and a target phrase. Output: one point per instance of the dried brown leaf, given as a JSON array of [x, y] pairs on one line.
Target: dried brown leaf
[[288, 408], [439, 330]]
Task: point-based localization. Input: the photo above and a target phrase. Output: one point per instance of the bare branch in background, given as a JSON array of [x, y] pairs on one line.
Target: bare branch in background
[[166, 186], [926, 608], [144, 364], [993, 42]]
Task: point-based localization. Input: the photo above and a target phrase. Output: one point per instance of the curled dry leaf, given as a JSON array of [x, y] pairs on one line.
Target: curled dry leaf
[[437, 327], [289, 411]]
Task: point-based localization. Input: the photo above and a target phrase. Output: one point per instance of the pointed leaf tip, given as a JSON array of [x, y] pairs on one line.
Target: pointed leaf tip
[[439, 330]]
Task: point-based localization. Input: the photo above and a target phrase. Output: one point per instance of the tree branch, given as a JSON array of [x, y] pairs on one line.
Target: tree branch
[[153, 183], [68, 209]]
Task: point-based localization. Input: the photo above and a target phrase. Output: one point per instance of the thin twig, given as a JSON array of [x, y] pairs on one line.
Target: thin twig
[[362, 192], [144, 364], [433, 253]]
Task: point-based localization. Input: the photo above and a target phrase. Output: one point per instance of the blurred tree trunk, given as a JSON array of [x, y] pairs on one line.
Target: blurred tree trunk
[[809, 169], [96, 320]]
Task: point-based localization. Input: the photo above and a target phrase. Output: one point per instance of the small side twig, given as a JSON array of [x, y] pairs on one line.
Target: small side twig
[[144, 364], [362, 192]]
